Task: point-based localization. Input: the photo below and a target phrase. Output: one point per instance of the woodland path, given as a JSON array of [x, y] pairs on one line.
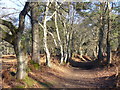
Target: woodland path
[[70, 77], [59, 76]]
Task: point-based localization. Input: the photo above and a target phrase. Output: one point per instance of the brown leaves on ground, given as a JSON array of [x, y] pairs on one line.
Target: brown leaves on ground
[[61, 76]]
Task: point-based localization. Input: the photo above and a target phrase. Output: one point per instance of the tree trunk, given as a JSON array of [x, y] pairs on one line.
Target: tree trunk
[[48, 62], [108, 52], [66, 43], [72, 43], [108, 34], [35, 34], [101, 34], [81, 51], [70, 46], [19, 46], [22, 58], [100, 51], [67, 47], [16, 40], [58, 35]]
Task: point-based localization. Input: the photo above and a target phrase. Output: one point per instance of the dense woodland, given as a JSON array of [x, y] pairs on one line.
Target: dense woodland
[[67, 34]]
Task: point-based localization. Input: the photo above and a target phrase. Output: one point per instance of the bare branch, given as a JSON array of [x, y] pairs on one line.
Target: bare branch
[[5, 36], [10, 8], [22, 15], [9, 25], [9, 14]]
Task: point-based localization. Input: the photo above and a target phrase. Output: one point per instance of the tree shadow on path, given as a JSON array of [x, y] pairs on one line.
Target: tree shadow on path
[[84, 65]]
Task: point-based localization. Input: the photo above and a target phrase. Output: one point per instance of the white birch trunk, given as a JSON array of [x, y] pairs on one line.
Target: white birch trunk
[[81, 52], [58, 35], [65, 43], [67, 47], [45, 37]]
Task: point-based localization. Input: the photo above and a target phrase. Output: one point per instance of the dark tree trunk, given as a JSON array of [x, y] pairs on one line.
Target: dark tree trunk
[[100, 45], [108, 52], [101, 33], [108, 35]]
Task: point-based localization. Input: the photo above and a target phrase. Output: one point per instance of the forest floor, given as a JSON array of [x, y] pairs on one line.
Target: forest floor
[[60, 76]]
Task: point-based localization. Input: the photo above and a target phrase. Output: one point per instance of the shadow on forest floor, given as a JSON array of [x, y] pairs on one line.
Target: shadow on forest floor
[[84, 65], [96, 64], [42, 82]]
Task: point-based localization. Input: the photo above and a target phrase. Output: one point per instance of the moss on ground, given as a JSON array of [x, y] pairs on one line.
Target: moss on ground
[[20, 87], [34, 66], [29, 81]]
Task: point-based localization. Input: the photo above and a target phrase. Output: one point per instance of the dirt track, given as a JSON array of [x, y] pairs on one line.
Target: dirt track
[[71, 77], [62, 77]]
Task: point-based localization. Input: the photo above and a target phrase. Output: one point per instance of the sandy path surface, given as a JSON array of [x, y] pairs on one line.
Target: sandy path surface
[[67, 77]]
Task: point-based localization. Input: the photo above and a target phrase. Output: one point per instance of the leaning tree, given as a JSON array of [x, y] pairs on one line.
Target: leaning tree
[[15, 38]]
